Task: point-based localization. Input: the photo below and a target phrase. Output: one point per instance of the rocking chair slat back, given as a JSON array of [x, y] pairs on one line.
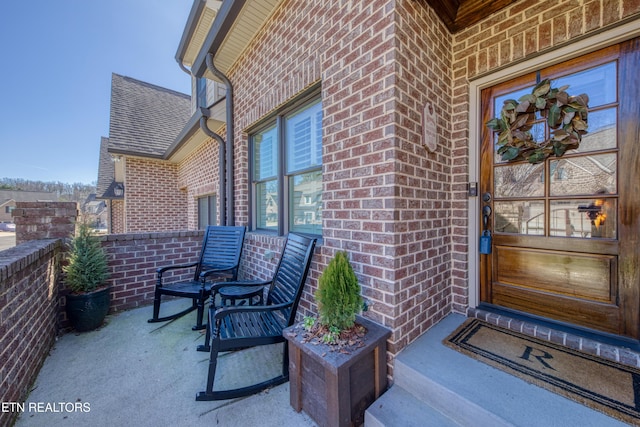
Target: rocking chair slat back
[[293, 268], [221, 249]]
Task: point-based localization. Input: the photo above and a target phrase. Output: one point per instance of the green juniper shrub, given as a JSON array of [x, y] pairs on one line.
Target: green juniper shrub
[[338, 295], [87, 268]]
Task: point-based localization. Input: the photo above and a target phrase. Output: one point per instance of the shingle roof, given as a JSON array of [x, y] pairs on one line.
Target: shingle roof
[[145, 119], [28, 196], [106, 169]]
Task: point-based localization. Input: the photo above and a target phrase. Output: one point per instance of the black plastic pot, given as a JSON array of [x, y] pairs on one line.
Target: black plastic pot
[[87, 311]]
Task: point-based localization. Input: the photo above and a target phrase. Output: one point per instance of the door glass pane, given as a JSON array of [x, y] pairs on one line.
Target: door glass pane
[[537, 131], [586, 218], [267, 205], [519, 180], [499, 100], [602, 131], [599, 83], [519, 217], [306, 203], [594, 174]]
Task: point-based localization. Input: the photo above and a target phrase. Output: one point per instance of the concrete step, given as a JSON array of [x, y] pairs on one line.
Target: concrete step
[[398, 407], [437, 386]]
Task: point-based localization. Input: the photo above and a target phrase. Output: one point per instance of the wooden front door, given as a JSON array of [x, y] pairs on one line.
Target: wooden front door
[[565, 232]]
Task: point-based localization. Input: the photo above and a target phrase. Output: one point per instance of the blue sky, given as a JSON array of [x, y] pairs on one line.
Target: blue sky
[[55, 78]]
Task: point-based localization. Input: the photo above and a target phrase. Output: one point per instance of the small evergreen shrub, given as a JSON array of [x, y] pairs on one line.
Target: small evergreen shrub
[[338, 294], [87, 268]]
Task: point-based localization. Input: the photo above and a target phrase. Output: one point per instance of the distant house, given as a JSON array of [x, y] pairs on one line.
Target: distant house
[[95, 212], [8, 199], [134, 177]]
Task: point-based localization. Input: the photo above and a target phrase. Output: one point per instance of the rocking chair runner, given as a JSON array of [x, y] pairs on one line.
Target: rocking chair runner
[[219, 260], [238, 327]]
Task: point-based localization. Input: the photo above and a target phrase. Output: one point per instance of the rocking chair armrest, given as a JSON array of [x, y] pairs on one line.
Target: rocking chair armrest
[[220, 313], [205, 274], [174, 267]]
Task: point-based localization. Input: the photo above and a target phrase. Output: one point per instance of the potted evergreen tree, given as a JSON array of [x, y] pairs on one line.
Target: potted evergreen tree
[[86, 272], [337, 361]]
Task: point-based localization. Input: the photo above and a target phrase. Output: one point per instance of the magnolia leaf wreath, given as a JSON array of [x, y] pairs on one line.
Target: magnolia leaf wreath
[[566, 116]]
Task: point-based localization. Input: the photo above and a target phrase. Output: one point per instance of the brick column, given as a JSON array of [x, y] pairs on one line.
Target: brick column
[[44, 220]]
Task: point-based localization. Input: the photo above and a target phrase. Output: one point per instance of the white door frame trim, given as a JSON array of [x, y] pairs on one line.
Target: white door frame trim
[[583, 46]]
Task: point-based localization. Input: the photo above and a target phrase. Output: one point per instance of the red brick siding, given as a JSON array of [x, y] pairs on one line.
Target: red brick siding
[[134, 259], [385, 198], [28, 312], [44, 220], [347, 50], [117, 216], [198, 176], [422, 196], [152, 197]]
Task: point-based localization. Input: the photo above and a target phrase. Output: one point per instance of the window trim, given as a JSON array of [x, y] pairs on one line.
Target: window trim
[[277, 118]]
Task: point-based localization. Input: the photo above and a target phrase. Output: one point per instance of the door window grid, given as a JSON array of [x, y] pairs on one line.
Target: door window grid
[[591, 170]]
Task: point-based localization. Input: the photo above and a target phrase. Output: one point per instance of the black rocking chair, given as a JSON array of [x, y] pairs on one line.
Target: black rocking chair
[[219, 260], [242, 326]]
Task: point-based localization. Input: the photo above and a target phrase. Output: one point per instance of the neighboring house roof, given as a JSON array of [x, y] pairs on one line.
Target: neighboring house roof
[[27, 196], [106, 170], [145, 119]]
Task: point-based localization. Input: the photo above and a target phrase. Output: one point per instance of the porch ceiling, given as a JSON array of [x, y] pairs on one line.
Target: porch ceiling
[[460, 14]]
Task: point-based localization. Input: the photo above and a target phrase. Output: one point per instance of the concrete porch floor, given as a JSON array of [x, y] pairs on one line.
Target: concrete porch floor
[[131, 372]]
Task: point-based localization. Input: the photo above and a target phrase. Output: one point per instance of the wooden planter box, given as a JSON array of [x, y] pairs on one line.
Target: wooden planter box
[[335, 388]]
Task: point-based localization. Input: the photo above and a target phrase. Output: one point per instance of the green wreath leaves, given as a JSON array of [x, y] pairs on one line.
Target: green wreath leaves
[[566, 116]]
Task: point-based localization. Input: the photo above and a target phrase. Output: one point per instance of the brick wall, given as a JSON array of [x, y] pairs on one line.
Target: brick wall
[[386, 200], [134, 259], [116, 211], [44, 220], [28, 311], [348, 50], [152, 197], [198, 174]]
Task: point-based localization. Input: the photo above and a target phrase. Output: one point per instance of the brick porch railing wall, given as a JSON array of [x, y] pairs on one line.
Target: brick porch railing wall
[[28, 311], [134, 259], [44, 220], [32, 294]]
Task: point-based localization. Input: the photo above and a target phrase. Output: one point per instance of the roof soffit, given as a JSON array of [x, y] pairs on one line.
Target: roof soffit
[[199, 33], [233, 29]]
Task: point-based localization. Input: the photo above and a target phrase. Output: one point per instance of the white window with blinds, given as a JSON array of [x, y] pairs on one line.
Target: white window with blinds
[[206, 211], [287, 194]]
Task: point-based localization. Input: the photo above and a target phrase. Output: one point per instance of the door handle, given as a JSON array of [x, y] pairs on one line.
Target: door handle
[[486, 213]]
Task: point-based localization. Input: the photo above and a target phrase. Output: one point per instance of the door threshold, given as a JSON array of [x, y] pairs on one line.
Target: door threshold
[[613, 348]]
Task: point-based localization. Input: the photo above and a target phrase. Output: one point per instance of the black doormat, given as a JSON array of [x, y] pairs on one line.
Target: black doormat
[[606, 386]]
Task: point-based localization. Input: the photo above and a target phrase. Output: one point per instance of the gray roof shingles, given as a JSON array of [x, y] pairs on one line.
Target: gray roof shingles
[[145, 119]]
